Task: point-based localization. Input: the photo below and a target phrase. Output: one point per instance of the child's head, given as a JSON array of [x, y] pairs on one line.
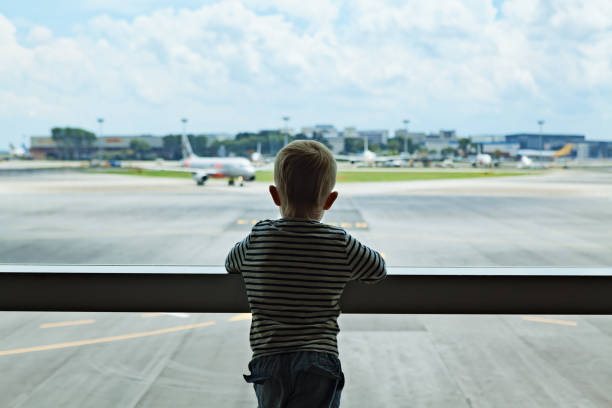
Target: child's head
[[304, 174]]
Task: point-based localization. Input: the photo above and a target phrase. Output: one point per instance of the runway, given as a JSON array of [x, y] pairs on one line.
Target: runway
[[561, 218]]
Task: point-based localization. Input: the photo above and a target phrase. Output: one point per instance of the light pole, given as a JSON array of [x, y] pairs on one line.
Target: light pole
[[406, 122], [286, 119], [184, 151], [540, 124], [100, 127]]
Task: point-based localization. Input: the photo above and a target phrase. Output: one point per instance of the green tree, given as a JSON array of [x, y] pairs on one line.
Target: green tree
[[353, 145], [465, 145], [198, 144], [448, 152], [140, 148], [171, 149], [73, 143]]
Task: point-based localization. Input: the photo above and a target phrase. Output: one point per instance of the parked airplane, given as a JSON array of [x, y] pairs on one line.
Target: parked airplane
[[483, 159], [527, 154], [18, 152], [203, 168], [369, 157]]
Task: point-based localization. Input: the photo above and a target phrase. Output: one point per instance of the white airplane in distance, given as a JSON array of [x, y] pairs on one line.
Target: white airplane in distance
[[527, 162], [368, 157], [203, 168], [18, 152], [483, 160]]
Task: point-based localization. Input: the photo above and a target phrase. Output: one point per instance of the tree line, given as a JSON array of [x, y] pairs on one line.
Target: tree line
[[76, 143]]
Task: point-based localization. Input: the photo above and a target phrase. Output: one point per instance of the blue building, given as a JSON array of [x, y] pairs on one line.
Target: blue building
[[544, 141], [599, 149]]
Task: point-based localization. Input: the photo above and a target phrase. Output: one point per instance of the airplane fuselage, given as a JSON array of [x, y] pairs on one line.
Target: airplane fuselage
[[231, 167]]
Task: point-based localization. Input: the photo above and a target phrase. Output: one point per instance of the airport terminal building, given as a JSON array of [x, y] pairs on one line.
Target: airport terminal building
[[509, 145], [44, 147]]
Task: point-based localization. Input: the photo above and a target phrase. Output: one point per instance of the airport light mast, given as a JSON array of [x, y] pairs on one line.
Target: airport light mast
[[540, 124], [406, 122], [184, 122], [286, 119], [100, 127]]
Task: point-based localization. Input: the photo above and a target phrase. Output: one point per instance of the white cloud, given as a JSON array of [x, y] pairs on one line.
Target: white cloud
[[242, 60], [39, 35]]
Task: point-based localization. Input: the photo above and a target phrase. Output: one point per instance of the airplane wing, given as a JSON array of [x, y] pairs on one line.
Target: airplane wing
[[345, 157], [360, 158], [390, 158], [178, 169]]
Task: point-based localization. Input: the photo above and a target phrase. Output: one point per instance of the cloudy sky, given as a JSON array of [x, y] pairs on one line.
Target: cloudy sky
[[477, 66]]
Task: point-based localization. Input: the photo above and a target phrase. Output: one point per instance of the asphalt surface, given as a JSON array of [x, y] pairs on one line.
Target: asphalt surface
[[561, 218]]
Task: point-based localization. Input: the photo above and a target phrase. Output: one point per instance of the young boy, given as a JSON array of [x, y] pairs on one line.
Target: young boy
[[295, 269]]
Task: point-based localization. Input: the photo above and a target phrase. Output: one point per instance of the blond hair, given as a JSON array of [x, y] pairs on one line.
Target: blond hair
[[304, 174]]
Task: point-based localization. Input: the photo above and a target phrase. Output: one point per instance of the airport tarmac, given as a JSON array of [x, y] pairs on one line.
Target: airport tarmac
[[558, 218]]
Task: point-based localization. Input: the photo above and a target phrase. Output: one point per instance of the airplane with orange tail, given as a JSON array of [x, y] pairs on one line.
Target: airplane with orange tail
[[527, 154]]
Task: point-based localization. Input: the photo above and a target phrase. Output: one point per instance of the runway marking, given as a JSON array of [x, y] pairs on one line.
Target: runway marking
[[333, 224], [253, 222], [242, 222], [551, 321], [63, 324], [382, 254], [147, 315], [241, 316], [346, 225], [361, 225], [103, 339]]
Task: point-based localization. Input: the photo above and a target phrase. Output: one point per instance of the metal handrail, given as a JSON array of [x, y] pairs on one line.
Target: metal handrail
[[207, 289]]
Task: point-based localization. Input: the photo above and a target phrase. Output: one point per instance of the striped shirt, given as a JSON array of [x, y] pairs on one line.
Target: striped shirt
[[295, 271]]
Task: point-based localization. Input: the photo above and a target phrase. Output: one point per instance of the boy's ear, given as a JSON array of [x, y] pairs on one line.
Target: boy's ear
[[330, 200], [275, 195]]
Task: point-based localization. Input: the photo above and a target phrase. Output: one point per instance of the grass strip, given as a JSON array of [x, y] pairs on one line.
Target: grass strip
[[378, 176], [142, 172], [343, 176]]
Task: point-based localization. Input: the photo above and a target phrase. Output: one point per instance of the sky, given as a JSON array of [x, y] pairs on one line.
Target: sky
[[476, 66]]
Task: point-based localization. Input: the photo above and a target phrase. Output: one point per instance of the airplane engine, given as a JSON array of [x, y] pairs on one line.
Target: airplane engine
[[200, 179]]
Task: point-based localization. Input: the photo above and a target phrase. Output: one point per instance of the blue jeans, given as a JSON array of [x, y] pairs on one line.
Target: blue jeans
[[294, 380]]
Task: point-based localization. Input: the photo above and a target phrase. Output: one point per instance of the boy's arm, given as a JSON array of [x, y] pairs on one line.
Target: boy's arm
[[236, 256], [366, 264]]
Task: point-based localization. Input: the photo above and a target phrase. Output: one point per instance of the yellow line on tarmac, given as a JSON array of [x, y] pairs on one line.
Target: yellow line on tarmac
[[62, 324], [552, 321], [241, 316], [103, 339], [145, 315]]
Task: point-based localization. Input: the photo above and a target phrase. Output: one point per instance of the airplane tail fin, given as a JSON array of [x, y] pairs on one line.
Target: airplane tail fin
[[564, 151], [186, 147]]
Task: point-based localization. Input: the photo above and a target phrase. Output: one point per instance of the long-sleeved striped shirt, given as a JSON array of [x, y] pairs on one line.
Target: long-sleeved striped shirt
[[295, 271]]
